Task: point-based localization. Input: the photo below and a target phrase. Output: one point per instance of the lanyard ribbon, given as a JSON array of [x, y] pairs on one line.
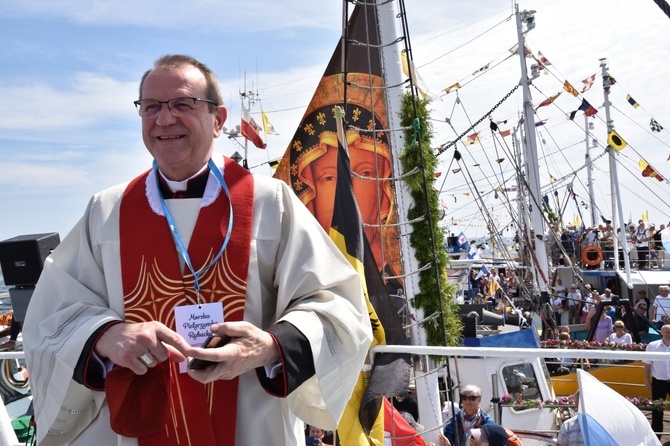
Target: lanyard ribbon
[[175, 234]]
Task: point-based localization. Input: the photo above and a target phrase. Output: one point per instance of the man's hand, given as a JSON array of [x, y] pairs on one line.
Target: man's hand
[[249, 348], [124, 343]]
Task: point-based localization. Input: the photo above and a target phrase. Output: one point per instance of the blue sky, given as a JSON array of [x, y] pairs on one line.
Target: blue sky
[[70, 70]]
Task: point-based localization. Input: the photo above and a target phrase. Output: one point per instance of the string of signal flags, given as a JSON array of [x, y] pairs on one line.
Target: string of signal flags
[[614, 139]]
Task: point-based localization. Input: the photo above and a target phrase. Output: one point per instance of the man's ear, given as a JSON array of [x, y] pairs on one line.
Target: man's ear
[[219, 119]]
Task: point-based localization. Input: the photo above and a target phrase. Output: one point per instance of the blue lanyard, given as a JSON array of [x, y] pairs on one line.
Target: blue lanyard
[[177, 239]]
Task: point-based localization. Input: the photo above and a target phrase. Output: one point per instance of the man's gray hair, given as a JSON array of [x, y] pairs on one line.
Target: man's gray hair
[[471, 388]]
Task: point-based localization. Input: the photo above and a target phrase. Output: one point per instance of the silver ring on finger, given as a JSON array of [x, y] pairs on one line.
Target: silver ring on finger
[[147, 359]]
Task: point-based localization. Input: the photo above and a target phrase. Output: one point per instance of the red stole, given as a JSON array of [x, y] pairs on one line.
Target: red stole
[[153, 286]]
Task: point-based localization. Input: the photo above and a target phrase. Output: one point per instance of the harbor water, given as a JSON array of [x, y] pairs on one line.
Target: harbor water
[[5, 304]]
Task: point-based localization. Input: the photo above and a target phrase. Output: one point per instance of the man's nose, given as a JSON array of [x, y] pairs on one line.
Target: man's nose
[[165, 116]]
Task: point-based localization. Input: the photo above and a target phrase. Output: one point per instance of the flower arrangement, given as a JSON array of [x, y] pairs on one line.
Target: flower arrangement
[[518, 403], [596, 345]]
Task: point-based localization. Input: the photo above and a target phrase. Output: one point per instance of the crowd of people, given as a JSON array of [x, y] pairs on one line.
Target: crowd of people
[[643, 244]]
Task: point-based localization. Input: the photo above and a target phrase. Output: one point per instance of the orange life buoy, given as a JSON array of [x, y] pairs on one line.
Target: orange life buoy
[[592, 256]]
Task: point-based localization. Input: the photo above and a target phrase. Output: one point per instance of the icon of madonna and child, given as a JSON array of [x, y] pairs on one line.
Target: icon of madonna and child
[[309, 165]]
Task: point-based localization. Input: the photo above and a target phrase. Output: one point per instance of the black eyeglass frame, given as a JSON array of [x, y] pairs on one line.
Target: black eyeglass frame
[[138, 104], [469, 397]]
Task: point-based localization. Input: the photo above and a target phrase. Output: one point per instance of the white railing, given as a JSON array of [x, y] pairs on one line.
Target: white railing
[[503, 352]]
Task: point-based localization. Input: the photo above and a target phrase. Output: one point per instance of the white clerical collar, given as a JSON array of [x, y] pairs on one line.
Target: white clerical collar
[[153, 194], [176, 186]]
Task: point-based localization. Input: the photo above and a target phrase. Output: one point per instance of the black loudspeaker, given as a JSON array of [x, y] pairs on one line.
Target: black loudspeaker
[[22, 257], [469, 326]]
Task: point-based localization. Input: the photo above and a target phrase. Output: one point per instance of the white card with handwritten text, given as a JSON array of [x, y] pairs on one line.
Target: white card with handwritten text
[[193, 323]]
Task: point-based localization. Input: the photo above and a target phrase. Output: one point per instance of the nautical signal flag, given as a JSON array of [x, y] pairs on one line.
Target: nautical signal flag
[[250, 130], [549, 100], [456, 86], [655, 126], [587, 108], [632, 101], [588, 83], [473, 138], [616, 141], [462, 240], [648, 171], [567, 86]]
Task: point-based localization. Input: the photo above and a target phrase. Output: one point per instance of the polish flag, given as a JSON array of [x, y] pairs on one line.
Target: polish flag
[[251, 130]]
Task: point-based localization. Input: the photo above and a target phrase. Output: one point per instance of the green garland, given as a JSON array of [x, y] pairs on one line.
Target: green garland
[[420, 238]]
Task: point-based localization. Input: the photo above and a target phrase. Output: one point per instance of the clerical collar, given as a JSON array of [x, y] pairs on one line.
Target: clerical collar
[[193, 187]]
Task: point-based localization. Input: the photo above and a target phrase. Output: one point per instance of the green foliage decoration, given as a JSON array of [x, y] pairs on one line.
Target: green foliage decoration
[[432, 294]]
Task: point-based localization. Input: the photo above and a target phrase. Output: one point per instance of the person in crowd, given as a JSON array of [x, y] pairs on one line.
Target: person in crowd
[[319, 434], [474, 284], [603, 327], [512, 283], [589, 301], [14, 331], [657, 376], [491, 434], [568, 243], [607, 244], [641, 296], [658, 246], [640, 238], [560, 289], [574, 298], [620, 336], [469, 417], [640, 318], [407, 402], [194, 245], [557, 308], [570, 434], [660, 310]]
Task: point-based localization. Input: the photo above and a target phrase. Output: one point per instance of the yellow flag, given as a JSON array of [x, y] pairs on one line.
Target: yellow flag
[[645, 216], [268, 128], [616, 141], [452, 87], [570, 89]]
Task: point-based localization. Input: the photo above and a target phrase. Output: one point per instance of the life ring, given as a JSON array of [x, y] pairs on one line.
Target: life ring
[[592, 256]]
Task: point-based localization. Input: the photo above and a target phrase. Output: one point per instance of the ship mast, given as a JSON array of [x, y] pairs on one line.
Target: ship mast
[[430, 410], [537, 243], [614, 182], [589, 169]]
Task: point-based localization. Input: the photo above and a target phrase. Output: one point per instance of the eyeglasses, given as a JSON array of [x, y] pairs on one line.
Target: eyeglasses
[[150, 108], [469, 398]]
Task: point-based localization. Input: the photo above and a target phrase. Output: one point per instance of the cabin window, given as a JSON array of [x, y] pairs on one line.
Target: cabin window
[[521, 381]]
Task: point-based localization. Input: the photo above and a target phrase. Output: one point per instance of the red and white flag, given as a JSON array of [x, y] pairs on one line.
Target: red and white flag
[[588, 83], [250, 130]]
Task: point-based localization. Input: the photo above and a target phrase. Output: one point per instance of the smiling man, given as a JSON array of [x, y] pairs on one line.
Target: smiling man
[[194, 245]]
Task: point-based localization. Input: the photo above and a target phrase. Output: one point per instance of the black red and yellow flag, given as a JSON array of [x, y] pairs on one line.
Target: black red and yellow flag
[[363, 419]]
